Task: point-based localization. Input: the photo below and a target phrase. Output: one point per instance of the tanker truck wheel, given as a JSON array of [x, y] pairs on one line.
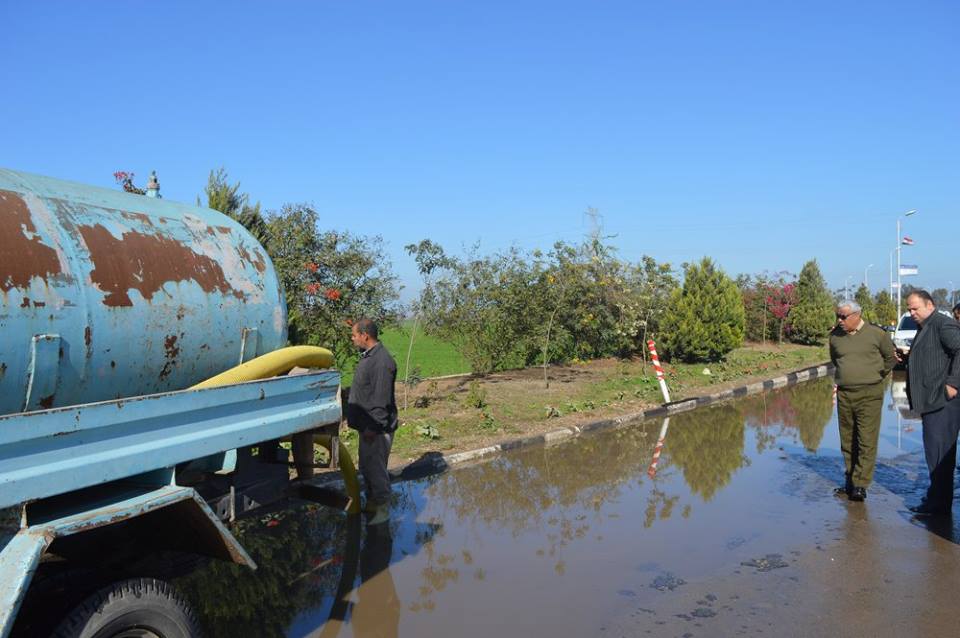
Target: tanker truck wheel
[[134, 608]]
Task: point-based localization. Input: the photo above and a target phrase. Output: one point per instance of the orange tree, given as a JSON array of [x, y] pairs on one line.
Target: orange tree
[[330, 279]]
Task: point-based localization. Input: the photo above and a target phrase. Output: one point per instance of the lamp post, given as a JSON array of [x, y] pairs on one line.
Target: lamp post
[[866, 283], [951, 293], [891, 272], [899, 242]]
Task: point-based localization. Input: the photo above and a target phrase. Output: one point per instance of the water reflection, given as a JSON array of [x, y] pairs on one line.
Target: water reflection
[[582, 521]]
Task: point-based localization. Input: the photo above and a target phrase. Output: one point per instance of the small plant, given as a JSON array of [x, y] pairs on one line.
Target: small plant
[[428, 429], [412, 380], [476, 396], [552, 412], [488, 422]]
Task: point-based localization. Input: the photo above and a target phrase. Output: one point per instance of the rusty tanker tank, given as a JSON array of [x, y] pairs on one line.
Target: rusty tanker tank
[[106, 294]]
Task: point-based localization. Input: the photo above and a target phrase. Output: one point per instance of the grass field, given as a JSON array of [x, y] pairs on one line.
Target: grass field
[[434, 357]]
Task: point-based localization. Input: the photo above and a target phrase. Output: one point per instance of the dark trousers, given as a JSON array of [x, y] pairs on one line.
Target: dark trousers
[[940, 430], [373, 457], [858, 413]]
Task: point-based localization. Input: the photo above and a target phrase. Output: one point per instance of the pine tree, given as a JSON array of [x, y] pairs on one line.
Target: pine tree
[[812, 317], [227, 198], [706, 318], [869, 312], [885, 308]]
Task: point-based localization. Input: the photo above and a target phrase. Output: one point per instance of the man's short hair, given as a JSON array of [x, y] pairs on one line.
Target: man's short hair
[[852, 305], [956, 308], [367, 327], [923, 294]]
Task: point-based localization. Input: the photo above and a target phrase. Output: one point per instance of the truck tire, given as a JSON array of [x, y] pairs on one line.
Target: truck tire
[[134, 608]]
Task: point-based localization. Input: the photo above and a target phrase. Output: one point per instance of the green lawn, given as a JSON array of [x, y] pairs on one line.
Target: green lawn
[[434, 357]]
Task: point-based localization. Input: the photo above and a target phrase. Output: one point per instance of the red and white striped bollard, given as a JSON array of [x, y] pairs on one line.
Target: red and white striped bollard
[[656, 366], [652, 470]]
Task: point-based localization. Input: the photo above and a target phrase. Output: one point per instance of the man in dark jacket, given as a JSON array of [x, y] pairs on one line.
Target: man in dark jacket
[[933, 377], [863, 356], [372, 411]]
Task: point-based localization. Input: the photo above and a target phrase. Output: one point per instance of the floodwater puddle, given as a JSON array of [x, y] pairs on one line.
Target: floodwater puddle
[[733, 530]]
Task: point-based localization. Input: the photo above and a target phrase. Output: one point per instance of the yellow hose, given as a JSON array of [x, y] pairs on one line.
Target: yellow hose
[[271, 364], [349, 472], [280, 362]]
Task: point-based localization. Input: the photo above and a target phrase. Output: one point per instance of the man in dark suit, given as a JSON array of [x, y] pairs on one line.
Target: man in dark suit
[[933, 378]]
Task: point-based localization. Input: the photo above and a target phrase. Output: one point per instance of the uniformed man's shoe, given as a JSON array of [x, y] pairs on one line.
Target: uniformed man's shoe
[[381, 516], [858, 494]]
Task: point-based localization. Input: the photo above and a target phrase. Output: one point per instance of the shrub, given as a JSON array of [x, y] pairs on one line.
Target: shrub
[[705, 320], [812, 317]]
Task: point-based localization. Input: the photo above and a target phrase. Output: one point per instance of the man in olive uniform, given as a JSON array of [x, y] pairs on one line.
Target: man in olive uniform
[[863, 355]]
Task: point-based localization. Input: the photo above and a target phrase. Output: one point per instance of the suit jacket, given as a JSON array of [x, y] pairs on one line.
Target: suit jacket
[[934, 362]]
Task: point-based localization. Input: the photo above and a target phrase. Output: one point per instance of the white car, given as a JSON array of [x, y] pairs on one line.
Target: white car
[[906, 331]]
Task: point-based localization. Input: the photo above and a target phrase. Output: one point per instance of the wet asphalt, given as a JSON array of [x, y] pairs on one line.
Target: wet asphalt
[[736, 533]]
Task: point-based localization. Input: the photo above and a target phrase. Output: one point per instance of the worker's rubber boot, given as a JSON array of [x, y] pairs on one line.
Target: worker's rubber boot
[[381, 516]]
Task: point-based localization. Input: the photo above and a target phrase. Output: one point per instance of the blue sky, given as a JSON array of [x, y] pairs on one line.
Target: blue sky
[[759, 133]]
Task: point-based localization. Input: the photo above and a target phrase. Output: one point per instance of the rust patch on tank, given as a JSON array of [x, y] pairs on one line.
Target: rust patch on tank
[[146, 262], [140, 217], [259, 263], [87, 336], [25, 303], [172, 350], [170, 345], [47, 402], [3, 370], [224, 229], [22, 255], [39, 304]]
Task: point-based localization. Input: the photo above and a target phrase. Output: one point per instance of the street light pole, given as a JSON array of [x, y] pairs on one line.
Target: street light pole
[[866, 283], [899, 242], [891, 273]]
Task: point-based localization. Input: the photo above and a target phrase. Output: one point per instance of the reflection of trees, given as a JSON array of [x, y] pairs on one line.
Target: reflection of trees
[[803, 409], [304, 556], [231, 599], [561, 489], [707, 445], [514, 492], [813, 405]]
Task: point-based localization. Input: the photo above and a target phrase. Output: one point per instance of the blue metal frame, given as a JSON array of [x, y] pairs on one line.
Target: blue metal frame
[[65, 449]]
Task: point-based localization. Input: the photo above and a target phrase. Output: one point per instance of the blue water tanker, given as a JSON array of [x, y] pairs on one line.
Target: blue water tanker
[[106, 294], [145, 391]]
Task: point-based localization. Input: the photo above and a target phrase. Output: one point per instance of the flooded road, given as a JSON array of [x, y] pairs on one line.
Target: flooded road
[[736, 532]]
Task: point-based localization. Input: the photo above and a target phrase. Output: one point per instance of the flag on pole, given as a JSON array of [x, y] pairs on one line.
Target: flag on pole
[[907, 269], [907, 241]]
